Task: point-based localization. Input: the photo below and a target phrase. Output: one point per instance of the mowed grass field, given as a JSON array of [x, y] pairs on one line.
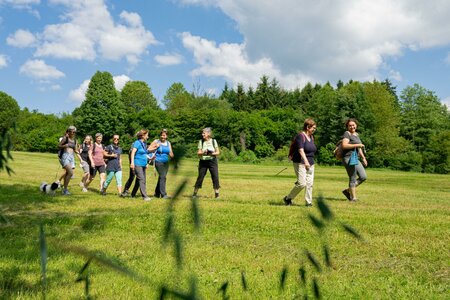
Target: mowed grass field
[[404, 219]]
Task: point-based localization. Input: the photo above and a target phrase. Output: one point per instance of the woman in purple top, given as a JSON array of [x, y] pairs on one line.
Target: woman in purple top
[[303, 159]]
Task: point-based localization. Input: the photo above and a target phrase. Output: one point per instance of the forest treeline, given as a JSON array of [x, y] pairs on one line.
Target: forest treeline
[[405, 131]]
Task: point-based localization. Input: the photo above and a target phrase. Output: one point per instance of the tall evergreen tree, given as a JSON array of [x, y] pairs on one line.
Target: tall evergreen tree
[[101, 111]]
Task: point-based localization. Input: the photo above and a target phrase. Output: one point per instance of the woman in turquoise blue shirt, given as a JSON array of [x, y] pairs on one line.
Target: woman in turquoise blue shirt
[[163, 154]]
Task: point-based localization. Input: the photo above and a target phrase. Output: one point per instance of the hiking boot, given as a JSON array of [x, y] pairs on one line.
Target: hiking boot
[[65, 193], [347, 194], [287, 201], [124, 194], [81, 184]]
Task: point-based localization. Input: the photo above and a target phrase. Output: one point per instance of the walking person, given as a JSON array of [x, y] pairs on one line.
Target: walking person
[[302, 151], [85, 162], [208, 150], [114, 165], [139, 159], [96, 156], [162, 156], [68, 146], [131, 177], [352, 146]]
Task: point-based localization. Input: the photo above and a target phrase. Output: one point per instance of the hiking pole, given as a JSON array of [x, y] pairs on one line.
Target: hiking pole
[[280, 171]]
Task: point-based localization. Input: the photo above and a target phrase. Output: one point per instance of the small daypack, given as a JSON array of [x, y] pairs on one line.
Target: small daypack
[[61, 150], [338, 152]]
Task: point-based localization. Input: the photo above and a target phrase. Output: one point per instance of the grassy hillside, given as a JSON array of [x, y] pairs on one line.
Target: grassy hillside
[[404, 219]]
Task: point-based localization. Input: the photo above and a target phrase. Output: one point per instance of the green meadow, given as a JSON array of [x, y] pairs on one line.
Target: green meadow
[[248, 244]]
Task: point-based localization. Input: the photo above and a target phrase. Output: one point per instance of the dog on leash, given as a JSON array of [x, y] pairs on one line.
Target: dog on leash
[[50, 188]]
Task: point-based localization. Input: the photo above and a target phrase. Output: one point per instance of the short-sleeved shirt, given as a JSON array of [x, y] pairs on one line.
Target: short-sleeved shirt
[[97, 155], [301, 142], [113, 164], [162, 152], [209, 145], [353, 139], [140, 157]]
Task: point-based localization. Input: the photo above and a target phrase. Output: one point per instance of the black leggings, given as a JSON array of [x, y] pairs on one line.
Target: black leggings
[[203, 167]]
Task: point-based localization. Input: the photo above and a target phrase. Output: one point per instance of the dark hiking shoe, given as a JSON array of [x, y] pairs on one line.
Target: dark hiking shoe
[[347, 194], [287, 201]]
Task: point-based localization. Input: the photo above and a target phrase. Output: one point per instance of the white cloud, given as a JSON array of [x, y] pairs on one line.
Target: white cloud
[[169, 59], [55, 87], [230, 61], [446, 101], [40, 70], [23, 4], [395, 75], [20, 3], [79, 94], [90, 31], [3, 61], [21, 39], [120, 81], [330, 40]]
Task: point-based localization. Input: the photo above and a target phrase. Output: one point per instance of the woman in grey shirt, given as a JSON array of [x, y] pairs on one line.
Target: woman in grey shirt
[[356, 173]]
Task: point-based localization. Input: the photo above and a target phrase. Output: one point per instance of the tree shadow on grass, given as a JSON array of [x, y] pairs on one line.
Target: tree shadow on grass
[[21, 197]]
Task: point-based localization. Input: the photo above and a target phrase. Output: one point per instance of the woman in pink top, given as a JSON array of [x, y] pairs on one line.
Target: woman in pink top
[[96, 156]]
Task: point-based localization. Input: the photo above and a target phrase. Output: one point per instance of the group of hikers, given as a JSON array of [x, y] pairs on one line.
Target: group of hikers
[[106, 160], [95, 158]]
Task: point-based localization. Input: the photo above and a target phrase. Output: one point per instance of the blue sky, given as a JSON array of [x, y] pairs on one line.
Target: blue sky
[[50, 49]]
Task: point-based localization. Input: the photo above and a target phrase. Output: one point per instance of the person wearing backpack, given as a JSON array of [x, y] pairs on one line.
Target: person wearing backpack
[[162, 156], [352, 150], [208, 150], [302, 152], [113, 165], [85, 162], [96, 156], [67, 148]]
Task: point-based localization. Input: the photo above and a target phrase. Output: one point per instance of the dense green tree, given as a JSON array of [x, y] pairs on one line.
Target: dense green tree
[[39, 132], [176, 98], [137, 96], [9, 111], [263, 97], [423, 115], [101, 111]]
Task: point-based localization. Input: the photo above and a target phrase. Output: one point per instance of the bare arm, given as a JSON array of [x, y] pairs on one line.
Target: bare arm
[[171, 152], [346, 145], [303, 155], [133, 153]]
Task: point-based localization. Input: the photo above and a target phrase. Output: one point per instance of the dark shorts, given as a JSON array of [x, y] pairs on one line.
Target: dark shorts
[[100, 169]]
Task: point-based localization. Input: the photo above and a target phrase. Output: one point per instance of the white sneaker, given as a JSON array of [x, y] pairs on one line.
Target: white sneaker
[[147, 199], [81, 184], [84, 190]]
